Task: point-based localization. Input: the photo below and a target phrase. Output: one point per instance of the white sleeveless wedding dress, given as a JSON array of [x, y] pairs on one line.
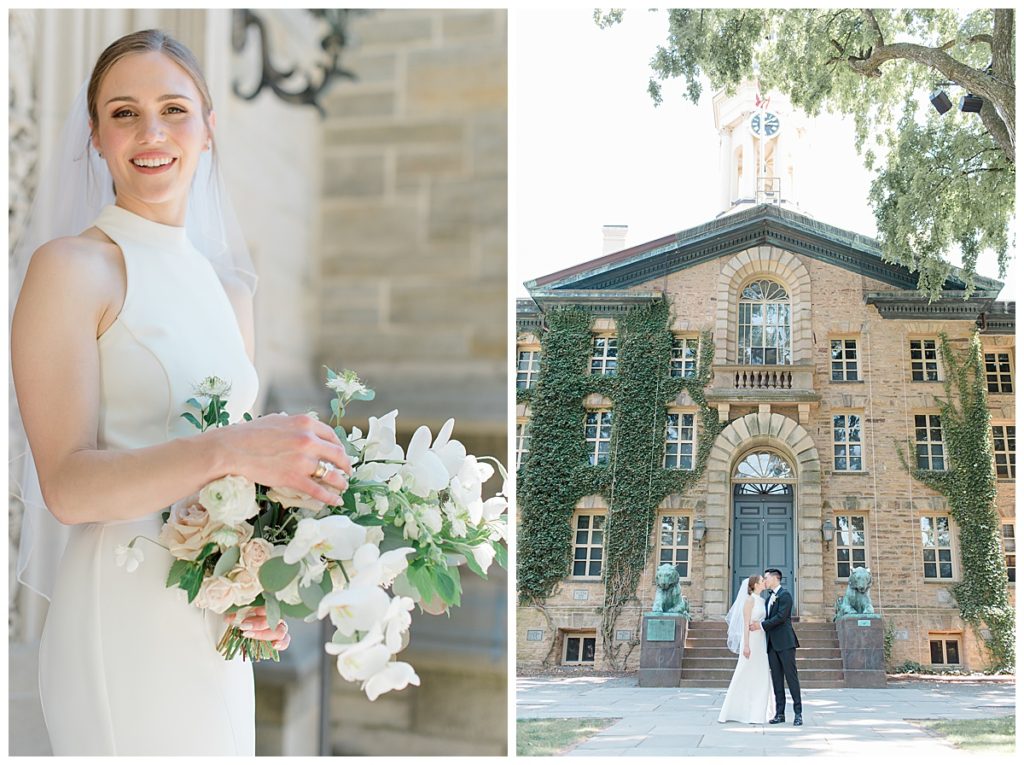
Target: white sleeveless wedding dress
[[127, 666], [750, 698]]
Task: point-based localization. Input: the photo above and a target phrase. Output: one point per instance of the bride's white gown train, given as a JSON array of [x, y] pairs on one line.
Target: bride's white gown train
[[750, 698], [127, 666]]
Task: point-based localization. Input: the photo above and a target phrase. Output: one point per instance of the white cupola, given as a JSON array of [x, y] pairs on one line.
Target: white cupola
[[761, 136]]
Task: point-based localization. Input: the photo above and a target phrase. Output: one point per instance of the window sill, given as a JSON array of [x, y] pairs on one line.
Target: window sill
[[844, 382], [940, 581], [851, 472]]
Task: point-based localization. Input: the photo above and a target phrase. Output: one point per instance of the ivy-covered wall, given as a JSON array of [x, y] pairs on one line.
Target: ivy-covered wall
[[556, 474]]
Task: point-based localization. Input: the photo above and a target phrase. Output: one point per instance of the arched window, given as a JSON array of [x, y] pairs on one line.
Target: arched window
[[763, 473], [764, 324]]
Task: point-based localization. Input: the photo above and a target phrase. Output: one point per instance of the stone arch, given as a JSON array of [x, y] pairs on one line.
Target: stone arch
[[788, 437], [774, 263]]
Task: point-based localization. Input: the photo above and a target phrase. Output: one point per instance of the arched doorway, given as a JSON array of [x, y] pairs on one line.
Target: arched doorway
[[764, 484]]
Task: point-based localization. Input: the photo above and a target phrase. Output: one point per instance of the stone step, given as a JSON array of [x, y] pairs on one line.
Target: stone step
[[805, 643], [724, 675], [729, 663], [722, 651], [816, 630], [685, 683]]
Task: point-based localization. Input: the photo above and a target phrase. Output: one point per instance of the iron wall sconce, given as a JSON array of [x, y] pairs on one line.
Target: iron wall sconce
[[828, 532], [699, 530]]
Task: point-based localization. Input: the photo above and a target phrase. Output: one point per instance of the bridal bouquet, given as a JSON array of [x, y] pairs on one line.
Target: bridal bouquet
[[409, 518]]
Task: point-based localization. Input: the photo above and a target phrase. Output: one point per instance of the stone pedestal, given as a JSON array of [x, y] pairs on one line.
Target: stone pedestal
[[862, 645], [662, 639]]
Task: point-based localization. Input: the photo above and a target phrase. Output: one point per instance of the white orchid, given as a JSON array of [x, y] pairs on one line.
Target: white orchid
[[483, 554], [369, 566], [355, 608], [363, 659], [423, 471], [336, 537], [129, 557], [394, 677], [381, 441], [396, 622], [451, 452]]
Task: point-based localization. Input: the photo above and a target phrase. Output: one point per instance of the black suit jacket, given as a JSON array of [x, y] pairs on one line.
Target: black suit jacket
[[778, 624]]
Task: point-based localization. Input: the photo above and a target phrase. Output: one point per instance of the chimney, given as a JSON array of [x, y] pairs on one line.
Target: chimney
[[614, 238]]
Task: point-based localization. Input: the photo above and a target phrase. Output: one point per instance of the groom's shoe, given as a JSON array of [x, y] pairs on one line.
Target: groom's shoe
[[777, 719], [798, 720]]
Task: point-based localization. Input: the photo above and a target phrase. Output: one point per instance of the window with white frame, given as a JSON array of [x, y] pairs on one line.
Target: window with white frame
[[580, 648], [924, 361], [522, 443], [684, 357], [588, 545], [851, 544], [844, 360], [1004, 448], [928, 442], [944, 648], [679, 440], [1010, 551], [527, 368], [999, 372], [604, 357], [764, 327], [598, 434], [846, 442], [937, 547], [674, 542]]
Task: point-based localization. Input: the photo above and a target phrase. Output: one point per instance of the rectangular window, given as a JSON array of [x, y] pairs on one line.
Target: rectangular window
[[598, 433], [679, 441], [579, 648], [928, 442], [1004, 447], [851, 544], [674, 543], [522, 443], [527, 369], [937, 547], [844, 360], [924, 361], [684, 357], [604, 358], [846, 442], [945, 649], [588, 546], [998, 373], [1010, 552]]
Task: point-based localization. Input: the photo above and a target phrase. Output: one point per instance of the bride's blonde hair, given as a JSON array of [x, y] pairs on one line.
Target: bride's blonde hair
[[751, 582]]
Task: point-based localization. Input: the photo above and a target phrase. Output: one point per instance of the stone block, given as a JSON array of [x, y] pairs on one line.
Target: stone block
[[861, 644], [369, 227], [370, 68], [460, 207], [391, 135], [459, 80], [347, 102], [354, 176], [395, 29], [461, 24], [414, 164], [464, 303], [661, 658], [488, 144]]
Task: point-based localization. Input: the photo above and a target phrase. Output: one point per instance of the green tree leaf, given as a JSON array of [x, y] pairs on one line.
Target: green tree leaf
[[178, 570]]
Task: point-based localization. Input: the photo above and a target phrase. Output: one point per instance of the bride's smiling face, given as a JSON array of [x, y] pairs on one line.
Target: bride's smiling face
[[151, 131]]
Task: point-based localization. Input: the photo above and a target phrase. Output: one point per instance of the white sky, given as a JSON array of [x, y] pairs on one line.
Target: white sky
[[589, 148]]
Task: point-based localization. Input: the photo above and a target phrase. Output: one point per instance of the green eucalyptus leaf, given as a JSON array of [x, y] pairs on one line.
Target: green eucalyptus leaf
[[191, 418], [227, 561], [276, 575], [311, 595], [273, 606], [299, 611]]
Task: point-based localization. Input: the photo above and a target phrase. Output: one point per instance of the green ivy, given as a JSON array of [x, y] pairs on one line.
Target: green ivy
[[555, 473], [969, 485]]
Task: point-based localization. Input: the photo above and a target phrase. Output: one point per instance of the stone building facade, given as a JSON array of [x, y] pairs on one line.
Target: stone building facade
[[357, 222], [825, 364]]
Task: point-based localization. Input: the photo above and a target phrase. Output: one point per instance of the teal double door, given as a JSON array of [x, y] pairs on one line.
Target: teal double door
[[762, 533]]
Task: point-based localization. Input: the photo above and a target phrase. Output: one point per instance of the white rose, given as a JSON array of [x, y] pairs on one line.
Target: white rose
[[230, 500], [295, 498], [255, 553], [245, 586], [187, 529], [217, 593]]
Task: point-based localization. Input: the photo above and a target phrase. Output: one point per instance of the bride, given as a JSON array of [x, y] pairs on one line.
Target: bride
[[114, 326], [750, 697]]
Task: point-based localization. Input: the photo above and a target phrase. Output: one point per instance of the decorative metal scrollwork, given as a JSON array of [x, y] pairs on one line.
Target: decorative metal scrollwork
[[270, 77]]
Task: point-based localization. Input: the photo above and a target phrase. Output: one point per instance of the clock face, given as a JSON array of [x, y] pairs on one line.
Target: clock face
[[764, 125]]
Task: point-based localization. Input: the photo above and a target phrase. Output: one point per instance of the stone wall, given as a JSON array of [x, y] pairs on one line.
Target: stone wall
[[883, 492]]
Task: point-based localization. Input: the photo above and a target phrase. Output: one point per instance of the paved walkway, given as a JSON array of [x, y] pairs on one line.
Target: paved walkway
[[684, 721]]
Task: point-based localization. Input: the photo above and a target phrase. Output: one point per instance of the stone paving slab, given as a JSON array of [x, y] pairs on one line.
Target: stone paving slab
[[866, 722]]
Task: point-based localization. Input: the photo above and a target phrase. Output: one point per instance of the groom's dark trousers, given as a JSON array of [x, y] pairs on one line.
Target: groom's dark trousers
[[782, 645]]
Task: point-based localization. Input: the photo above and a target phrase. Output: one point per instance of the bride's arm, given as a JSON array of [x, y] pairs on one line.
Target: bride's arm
[[67, 296], [748, 610]]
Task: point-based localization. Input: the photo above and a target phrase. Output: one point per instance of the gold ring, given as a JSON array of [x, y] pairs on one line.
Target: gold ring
[[323, 467]]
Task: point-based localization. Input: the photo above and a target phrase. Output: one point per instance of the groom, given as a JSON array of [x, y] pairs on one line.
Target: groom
[[782, 645]]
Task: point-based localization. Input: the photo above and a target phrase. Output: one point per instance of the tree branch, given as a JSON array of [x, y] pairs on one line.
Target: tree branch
[[870, 16]]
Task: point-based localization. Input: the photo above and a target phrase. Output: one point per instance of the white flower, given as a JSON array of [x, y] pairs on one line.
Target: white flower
[[381, 442], [336, 537], [217, 594], [394, 677], [213, 386], [128, 556], [362, 660], [381, 504], [483, 554], [396, 622], [423, 470], [357, 608], [451, 453], [229, 500], [347, 384], [467, 485], [368, 566], [374, 535], [294, 498], [255, 553]]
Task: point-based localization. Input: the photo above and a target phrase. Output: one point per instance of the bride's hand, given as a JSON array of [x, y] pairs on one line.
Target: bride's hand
[[746, 652], [281, 450], [255, 626]]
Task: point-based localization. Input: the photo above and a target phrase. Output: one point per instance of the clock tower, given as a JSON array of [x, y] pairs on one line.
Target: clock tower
[[759, 136]]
